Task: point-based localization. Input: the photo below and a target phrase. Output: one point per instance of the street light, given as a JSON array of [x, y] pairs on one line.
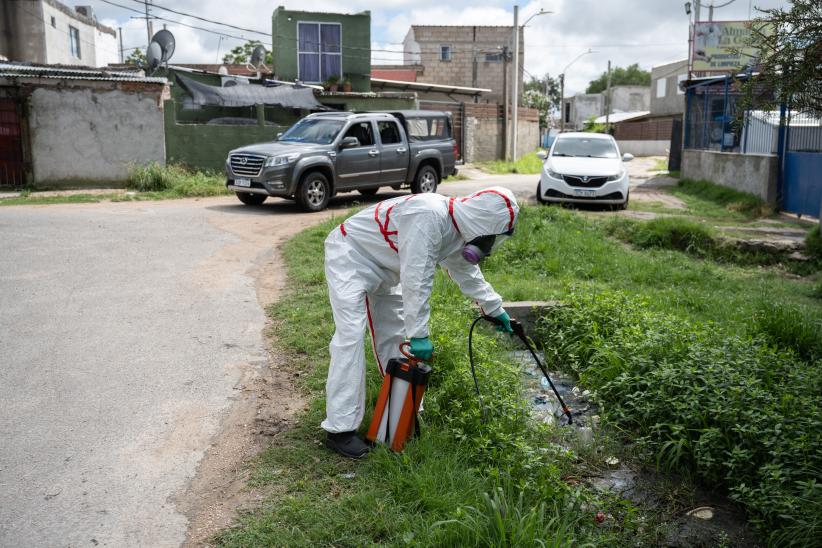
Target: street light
[[562, 88], [515, 102]]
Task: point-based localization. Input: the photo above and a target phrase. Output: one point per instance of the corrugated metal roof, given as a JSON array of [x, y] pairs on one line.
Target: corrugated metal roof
[[622, 116], [15, 70], [424, 86]]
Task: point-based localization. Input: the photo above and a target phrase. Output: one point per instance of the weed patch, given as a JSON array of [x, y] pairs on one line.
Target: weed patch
[[710, 199], [173, 181], [732, 409], [813, 243]]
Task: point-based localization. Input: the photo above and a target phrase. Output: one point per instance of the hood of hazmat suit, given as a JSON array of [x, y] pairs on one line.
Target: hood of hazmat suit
[[489, 212]]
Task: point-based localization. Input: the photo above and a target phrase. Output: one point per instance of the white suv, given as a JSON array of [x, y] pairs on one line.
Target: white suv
[[584, 168]]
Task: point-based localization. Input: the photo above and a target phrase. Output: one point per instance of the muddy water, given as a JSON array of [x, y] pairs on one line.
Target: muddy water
[[693, 516]]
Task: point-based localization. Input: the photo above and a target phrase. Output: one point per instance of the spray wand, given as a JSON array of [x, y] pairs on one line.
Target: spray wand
[[519, 331]]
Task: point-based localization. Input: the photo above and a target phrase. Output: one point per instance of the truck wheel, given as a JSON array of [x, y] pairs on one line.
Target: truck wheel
[[369, 191], [314, 192], [426, 180], [251, 199]]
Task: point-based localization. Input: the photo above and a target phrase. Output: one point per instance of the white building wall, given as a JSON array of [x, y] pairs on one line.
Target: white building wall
[[97, 47], [106, 48]]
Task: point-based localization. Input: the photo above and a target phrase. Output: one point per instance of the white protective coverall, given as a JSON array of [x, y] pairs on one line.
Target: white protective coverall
[[380, 265]]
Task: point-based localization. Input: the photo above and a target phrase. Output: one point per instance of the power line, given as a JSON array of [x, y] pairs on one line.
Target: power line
[[94, 45], [143, 2]]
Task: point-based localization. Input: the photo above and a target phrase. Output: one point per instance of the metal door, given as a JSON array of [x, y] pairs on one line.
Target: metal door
[[11, 145], [393, 153], [359, 166]]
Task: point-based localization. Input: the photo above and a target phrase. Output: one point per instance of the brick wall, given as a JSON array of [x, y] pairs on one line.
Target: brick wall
[[468, 66], [485, 132]]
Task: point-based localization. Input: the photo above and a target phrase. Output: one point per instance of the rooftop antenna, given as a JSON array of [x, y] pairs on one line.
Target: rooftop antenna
[[159, 50], [257, 60]]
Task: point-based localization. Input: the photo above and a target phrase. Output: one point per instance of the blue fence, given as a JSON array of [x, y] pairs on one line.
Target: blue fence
[[715, 121]]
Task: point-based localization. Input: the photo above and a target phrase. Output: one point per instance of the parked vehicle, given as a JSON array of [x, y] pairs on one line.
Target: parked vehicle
[[584, 168], [332, 152]]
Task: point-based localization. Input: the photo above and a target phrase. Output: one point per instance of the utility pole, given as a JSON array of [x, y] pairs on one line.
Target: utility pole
[[562, 102], [608, 100], [505, 100], [120, 32], [515, 102], [148, 24]]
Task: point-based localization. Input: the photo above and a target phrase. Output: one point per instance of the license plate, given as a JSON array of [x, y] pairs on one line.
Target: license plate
[[585, 193], [242, 182]]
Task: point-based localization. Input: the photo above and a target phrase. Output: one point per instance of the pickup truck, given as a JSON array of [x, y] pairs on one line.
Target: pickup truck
[[331, 152]]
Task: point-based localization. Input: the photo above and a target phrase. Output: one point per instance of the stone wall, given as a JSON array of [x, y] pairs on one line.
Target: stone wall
[[88, 136], [752, 173]]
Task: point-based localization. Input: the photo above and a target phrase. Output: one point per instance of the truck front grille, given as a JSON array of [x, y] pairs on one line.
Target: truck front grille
[[585, 182], [248, 165]]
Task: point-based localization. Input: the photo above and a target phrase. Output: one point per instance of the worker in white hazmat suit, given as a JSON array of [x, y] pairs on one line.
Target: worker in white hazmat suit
[[380, 264]]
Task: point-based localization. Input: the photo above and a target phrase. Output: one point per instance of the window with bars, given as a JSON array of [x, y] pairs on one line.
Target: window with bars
[[74, 41], [445, 52], [319, 51]]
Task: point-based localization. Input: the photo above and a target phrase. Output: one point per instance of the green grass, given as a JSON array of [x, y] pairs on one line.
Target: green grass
[[528, 164], [499, 481], [709, 200], [813, 243], [457, 177], [147, 182], [661, 164]]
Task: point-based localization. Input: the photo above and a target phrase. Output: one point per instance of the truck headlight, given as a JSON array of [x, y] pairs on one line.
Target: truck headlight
[[275, 161]]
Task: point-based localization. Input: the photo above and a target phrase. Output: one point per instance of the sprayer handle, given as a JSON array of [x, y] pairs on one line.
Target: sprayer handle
[[405, 351]]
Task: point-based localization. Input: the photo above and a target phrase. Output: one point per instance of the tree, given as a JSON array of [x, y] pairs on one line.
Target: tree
[[790, 57], [242, 54], [137, 57], [543, 95], [629, 76]]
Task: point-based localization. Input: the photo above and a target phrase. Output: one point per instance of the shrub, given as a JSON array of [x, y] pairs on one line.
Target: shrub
[[174, 180], [733, 409], [813, 243]]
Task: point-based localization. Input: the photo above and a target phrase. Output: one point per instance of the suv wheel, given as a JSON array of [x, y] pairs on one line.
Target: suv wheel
[[369, 191], [314, 192], [426, 180], [251, 199]]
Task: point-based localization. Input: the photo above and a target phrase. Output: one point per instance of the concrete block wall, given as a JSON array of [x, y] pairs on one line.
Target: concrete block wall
[[90, 136], [485, 132], [752, 173]]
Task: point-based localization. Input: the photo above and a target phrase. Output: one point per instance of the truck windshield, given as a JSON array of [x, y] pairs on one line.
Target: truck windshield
[[587, 148], [320, 132]]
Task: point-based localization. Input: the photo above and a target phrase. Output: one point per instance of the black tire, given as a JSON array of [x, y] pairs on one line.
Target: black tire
[[540, 199], [369, 191], [314, 192], [623, 206], [427, 180], [251, 199]]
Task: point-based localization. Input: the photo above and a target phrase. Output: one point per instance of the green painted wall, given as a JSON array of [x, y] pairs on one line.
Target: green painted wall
[[367, 102], [206, 147], [356, 43]]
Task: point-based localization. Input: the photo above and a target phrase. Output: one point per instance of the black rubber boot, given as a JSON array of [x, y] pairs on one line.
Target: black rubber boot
[[348, 444]]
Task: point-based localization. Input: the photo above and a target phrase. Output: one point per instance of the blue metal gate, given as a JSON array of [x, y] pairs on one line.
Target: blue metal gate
[[800, 155]]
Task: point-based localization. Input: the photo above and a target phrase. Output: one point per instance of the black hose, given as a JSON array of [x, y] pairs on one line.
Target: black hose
[[519, 331]]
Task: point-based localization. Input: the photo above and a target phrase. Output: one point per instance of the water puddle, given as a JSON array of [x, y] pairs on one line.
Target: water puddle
[[702, 518]]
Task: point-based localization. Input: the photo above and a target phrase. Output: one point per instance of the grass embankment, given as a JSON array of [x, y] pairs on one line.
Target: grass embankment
[[502, 480], [147, 182], [710, 200], [528, 164]]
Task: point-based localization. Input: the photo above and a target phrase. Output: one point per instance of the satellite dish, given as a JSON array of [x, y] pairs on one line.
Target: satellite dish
[[166, 41], [154, 56], [258, 59]]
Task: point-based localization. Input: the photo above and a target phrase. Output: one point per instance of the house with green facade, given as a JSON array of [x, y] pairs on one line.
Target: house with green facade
[[313, 47]]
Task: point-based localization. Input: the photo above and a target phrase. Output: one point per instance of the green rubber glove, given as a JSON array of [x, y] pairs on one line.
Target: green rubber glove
[[506, 320], [422, 348]]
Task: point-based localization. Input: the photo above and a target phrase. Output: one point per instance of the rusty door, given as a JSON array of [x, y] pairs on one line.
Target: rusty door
[[11, 145]]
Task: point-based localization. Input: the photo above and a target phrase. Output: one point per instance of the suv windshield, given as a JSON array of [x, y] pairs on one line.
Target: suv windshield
[[317, 131], [587, 148]]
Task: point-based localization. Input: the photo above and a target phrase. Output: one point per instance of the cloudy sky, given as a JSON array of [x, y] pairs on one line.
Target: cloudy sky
[[648, 32]]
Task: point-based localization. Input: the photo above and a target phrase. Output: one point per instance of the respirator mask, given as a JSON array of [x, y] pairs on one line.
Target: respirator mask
[[482, 246]]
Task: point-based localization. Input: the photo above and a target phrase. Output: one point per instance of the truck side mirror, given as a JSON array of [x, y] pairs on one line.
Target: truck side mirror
[[280, 134], [349, 142]]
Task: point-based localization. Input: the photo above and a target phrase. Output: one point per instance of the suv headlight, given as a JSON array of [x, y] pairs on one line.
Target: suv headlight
[[275, 161], [618, 176]]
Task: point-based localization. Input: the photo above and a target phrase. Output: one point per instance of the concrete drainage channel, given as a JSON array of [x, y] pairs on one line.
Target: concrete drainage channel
[[703, 518]]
